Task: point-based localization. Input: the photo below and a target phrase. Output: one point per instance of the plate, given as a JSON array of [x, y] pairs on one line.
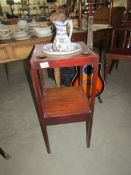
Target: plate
[[5, 37], [42, 32], [42, 35], [22, 38], [39, 29], [4, 28], [48, 49], [20, 34]]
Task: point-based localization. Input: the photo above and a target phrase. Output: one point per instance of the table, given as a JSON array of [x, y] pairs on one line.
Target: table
[[14, 50]]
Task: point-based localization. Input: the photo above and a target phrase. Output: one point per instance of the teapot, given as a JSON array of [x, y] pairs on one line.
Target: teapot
[[22, 25], [62, 41]]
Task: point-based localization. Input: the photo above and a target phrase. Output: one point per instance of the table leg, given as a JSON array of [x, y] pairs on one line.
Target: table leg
[[6, 71], [4, 154], [57, 77]]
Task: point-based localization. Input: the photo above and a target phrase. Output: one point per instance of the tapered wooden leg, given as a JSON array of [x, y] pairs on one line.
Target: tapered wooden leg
[[106, 70], [117, 63], [7, 72], [4, 154], [57, 77], [113, 63], [45, 135], [88, 132]]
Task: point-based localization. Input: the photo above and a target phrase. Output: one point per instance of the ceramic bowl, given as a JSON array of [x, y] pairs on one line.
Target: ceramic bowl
[[42, 30]]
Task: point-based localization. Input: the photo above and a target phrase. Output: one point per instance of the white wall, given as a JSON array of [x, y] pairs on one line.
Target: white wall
[[116, 2], [3, 2], [7, 8]]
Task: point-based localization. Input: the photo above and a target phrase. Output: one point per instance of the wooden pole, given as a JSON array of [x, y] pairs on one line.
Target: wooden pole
[[80, 15], [110, 17], [1, 11]]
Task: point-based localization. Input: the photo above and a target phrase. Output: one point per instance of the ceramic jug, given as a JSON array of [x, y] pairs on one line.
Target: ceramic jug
[[62, 41]]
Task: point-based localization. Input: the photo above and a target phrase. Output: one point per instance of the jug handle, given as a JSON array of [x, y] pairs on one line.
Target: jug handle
[[71, 28]]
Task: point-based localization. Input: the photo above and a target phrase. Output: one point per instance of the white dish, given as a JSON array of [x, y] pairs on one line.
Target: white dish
[[42, 35], [48, 49], [20, 34], [5, 37], [4, 28], [42, 30], [22, 38], [4, 34]]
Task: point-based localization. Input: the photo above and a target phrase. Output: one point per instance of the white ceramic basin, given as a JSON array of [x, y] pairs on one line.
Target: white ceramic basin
[[48, 49]]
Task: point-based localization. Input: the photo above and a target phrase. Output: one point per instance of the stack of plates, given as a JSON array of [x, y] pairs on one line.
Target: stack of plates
[[5, 37], [4, 32], [21, 35], [42, 31]]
